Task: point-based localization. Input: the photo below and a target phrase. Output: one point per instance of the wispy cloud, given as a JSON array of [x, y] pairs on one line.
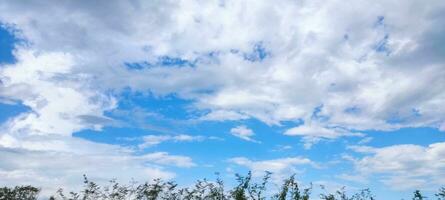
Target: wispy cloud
[[280, 148], [281, 168], [314, 132], [244, 133], [152, 140]]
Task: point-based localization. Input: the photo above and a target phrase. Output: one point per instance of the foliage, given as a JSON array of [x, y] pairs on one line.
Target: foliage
[[19, 192], [247, 188], [291, 190], [340, 194], [441, 194], [364, 194], [418, 195]]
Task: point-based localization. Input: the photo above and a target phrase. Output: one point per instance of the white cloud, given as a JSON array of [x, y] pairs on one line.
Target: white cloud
[[312, 133], [61, 101], [403, 166], [280, 148], [223, 115], [442, 127], [365, 140], [243, 132], [371, 65], [152, 140], [39, 143], [359, 178], [281, 168], [165, 159], [55, 162]]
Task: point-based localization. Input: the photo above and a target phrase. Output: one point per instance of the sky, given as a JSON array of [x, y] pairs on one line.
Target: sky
[[340, 93]]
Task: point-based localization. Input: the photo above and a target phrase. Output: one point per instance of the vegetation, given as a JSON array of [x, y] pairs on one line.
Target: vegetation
[[19, 192], [246, 189], [441, 194]]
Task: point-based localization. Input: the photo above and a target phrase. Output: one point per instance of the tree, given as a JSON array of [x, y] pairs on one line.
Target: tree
[[92, 191], [239, 192], [340, 194], [418, 195], [246, 189], [291, 190], [364, 194], [256, 190], [115, 191], [217, 191], [441, 194], [150, 191], [19, 192]]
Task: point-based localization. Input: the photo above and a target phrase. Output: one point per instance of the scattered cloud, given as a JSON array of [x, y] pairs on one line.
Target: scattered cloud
[[362, 70]]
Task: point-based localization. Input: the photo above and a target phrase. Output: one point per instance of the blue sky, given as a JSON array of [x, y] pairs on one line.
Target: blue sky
[[347, 95]]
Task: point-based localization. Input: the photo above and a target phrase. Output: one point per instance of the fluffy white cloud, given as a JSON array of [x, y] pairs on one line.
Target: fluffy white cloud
[[39, 143], [404, 166], [61, 100], [243, 132], [370, 65]]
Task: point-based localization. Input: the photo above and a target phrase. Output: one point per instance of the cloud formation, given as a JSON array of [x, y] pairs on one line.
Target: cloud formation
[[39, 143], [357, 63]]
